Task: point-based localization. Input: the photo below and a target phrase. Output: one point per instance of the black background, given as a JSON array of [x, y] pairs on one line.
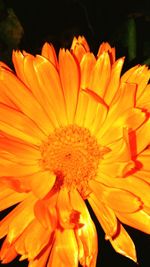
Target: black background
[[57, 22]]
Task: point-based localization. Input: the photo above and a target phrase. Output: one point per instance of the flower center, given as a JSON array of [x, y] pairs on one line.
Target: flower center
[[73, 155]]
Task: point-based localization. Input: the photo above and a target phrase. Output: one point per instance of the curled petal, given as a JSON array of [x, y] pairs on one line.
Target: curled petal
[[139, 220], [86, 235], [68, 217], [117, 199]]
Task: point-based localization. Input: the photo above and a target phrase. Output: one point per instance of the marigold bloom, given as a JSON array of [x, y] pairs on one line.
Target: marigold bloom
[[72, 130]]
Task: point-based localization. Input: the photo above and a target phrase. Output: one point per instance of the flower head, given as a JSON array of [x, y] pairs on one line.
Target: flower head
[[72, 130]]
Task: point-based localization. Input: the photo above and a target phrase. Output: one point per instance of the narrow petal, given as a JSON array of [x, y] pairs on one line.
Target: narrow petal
[[114, 81], [69, 73], [84, 112], [48, 52], [124, 245], [100, 75], [87, 64], [65, 250], [79, 47], [100, 116], [139, 220], [105, 215], [18, 61], [105, 47], [90, 111], [81, 108], [50, 88]]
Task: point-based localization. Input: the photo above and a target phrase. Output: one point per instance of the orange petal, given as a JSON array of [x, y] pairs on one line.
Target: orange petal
[[114, 81], [86, 235], [105, 47], [69, 73], [68, 217], [50, 89], [105, 215], [130, 119], [143, 172], [18, 219], [35, 84], [91, 109], [18, 125], [48, 52], [143, 131], [65, 250], [132, 184], [124, 100], [18, 61], [19, 150], [117, 199], [79, 47], [6, 100], [100, 75], [143, 157], [24, 100], [41, 260], [99, 118], [7, 168], [129, 73], [36, 239], [8, 252], [45, 215], [40, 189], [9, 198], [139, 75], [124, 245], [82, 105], [139, 220], [87, 64], [117, 169], [119, 151]]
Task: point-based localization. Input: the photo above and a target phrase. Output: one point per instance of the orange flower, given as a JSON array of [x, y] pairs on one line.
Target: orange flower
[[72, 130]]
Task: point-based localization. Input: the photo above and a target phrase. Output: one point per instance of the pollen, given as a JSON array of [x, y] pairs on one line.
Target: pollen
[[73, 155]]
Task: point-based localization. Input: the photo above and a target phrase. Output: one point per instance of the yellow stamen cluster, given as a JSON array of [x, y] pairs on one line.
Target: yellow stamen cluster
[[73, 155]]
